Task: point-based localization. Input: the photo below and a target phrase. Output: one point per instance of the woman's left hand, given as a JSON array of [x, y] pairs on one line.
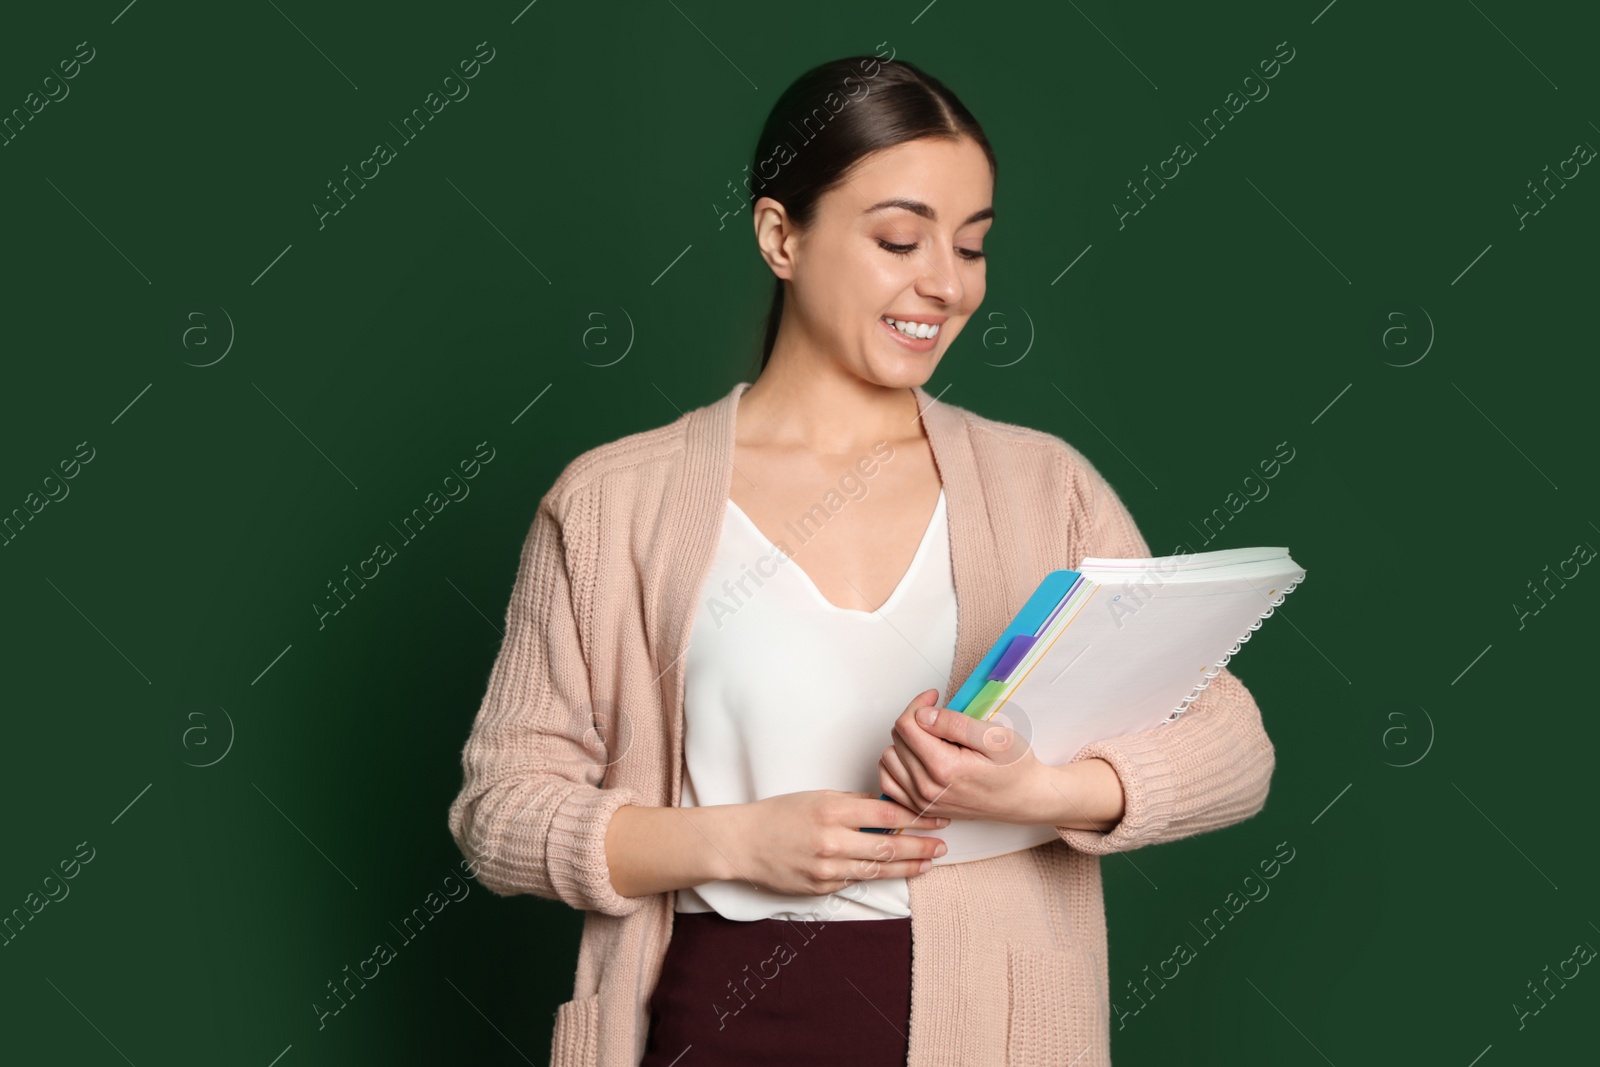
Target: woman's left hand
[[961, 767]]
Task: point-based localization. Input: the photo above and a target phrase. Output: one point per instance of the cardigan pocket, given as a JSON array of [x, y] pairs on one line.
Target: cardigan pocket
[[576, 1040], [1053, 1007]]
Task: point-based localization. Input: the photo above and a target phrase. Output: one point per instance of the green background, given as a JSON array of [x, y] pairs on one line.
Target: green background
[[510, 253]]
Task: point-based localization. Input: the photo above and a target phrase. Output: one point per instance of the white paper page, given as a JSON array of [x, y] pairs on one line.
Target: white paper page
[[1121, 666]]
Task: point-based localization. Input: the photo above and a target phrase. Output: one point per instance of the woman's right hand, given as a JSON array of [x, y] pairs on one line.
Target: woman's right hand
[[809, 844]]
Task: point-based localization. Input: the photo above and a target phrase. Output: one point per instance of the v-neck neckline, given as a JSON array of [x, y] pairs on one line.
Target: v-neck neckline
[[899, 590]]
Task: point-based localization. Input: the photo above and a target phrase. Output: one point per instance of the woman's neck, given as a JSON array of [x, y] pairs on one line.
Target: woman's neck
[[823, 411]]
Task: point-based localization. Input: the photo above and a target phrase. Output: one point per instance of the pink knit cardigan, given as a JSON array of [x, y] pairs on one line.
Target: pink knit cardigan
[[584, 713]]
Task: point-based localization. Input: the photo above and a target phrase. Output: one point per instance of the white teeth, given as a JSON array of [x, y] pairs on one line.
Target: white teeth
[[913, 329]]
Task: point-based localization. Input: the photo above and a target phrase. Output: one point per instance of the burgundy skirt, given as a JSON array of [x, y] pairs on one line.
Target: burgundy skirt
[[781, 993]]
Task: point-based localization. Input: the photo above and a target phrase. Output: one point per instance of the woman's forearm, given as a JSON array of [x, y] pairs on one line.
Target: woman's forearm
[[654, 850]]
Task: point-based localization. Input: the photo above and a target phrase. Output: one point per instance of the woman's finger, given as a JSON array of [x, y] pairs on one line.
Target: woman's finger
[[913, 771], [894, 790], [890, 814], [905, 786], [898, 869], [887, 850]]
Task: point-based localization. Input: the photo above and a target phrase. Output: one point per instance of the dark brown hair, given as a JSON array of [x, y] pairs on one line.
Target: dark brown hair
[[831, 117]]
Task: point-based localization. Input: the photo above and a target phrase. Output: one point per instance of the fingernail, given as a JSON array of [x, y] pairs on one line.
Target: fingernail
[[927, 715], [941, 850], [927, 865], [943, 821]]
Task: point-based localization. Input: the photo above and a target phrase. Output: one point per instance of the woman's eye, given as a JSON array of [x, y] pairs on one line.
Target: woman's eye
[[969, 254]]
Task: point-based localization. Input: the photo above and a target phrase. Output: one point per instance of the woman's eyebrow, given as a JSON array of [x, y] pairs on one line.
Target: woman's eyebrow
[[917, 207]]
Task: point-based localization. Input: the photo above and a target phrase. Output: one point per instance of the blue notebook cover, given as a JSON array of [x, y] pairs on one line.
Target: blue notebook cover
[[1033, 614]]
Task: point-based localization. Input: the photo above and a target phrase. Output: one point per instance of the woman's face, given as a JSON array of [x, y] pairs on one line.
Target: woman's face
[[900, 238]]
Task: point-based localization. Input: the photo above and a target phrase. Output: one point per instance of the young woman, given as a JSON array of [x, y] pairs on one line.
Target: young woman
[[730, 634]]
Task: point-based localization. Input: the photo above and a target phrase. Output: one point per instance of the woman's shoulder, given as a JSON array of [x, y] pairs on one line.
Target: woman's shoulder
[[1011, 443], [634, 462], [1047, 465]]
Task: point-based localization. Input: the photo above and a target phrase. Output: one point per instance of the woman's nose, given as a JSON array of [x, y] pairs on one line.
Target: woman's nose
[[938, 279]]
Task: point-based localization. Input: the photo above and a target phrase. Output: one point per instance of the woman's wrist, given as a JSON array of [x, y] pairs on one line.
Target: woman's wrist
[[659, 849], [720, 830], [1082, 795]]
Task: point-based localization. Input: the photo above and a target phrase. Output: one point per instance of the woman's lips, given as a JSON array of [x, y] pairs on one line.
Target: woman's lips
[[916, 344]]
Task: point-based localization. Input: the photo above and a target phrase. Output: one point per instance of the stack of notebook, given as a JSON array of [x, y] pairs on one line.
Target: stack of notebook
[[1116, 647]]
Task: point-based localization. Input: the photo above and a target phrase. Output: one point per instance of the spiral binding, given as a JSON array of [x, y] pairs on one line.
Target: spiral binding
[[1183, 705]]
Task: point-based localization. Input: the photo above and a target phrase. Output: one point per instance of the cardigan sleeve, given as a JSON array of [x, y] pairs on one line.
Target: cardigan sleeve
[[531, 816], [1208, 769]]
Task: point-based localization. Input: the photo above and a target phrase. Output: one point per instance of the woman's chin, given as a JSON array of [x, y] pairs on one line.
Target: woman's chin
[[903, 372]]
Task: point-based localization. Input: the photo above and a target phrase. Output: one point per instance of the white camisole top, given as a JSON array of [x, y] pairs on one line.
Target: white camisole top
[[785, 691]]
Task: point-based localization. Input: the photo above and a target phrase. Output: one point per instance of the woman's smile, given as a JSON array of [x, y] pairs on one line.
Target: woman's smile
[[926, 331]]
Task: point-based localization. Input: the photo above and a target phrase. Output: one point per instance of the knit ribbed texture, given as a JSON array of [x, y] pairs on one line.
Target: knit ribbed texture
[[584, 713]]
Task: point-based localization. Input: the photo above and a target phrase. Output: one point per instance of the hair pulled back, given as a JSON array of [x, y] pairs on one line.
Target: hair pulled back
[[833, 116]]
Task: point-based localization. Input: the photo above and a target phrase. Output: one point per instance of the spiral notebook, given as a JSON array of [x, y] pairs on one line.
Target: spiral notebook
[[1116, 647]]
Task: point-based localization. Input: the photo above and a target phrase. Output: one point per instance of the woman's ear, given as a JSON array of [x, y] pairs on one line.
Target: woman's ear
[[775, 236]]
